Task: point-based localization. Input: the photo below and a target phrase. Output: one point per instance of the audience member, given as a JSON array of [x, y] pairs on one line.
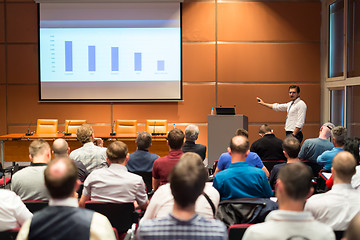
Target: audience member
[[191, 135], [339, 134], [187, 181], [93, 157], [13, 212], [252, 159], [162, 202], [115, 183], [291, 150], [163, 165], [338, 206], [60, 148], [241, 180], [28, 183], [142, 160], [314, 147], [290, 221], [268, 147], [62, 219], [353, 231]]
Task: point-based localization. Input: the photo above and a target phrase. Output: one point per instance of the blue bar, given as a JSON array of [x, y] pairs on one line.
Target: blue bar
[[161, 65], [68, 56], [114, 59], [91, 58], [137, 61]]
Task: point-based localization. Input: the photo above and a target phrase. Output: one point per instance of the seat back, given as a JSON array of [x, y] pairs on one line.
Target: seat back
[[156, 126], [72, 125], [236, 231], [147, 177], [46, 126], [269, 164], [9, 234], [35, 205], [120, 215], [126, 127], [339, 234]]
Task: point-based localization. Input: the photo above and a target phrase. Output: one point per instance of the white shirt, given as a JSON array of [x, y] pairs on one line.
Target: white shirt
[[336, 207], [100, 227], [13, 212], [296, 113], [284, 225], [162, 202], [93, 157], [115, 184], [355, 181]]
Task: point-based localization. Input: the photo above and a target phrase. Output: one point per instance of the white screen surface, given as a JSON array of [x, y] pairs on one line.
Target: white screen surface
[[113, 51]]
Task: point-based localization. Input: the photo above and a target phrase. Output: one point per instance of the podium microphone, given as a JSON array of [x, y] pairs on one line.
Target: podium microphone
[[112, 129], [28, 133], [154, 132], [67, 130]]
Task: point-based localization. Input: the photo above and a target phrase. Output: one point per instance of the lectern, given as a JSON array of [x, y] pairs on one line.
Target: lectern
[[221, 128]]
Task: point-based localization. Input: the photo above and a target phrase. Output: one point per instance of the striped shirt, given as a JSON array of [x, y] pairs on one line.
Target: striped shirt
[[172, 228]]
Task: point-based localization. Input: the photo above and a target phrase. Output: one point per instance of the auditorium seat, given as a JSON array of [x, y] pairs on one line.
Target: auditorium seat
[[47, 126], [269, 164], [9, 234], [35, 205], [339, 234], [236, 231], [147, 177], [126, 127], [72, 125], [156, 126]]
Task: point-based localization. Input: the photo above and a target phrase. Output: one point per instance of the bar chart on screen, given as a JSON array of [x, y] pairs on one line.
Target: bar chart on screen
[[110, 54]]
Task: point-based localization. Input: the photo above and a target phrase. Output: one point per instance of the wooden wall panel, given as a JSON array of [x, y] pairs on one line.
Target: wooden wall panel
[[269, 62], [269, 21], [21, 20], [2, 109], [2, 24], [198, 62], [198, 21], [2, 64], [244, 97], [23, 66]]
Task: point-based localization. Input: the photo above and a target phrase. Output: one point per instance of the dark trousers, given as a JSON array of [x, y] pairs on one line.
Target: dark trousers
[[299, 136]]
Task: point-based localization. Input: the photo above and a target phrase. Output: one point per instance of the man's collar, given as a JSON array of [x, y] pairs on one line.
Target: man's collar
[[69, 202], [37, 164]]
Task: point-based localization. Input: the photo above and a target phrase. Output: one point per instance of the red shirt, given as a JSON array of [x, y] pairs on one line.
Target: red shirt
[[163, 165]]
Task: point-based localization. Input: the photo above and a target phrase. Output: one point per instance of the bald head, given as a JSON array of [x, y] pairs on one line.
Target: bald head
[[60, 147], [343, 167], [239, 148]]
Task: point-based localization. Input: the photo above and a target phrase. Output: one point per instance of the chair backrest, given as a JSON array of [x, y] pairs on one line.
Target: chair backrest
[[147, 177], [35, 205], [120, 215], [339, 234], [156, 126], [46, 126], [9, 234], [72, 125], [269, 164], [126, 127], [236, 231]]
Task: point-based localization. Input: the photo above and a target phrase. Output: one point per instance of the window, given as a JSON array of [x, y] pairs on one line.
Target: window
[[336, 39], [337, 107], [353, 39], [352, 112]]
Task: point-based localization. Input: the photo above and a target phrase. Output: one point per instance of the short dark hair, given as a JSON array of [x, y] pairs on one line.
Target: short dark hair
[[239, 144], [84, 132], [116, 152], [352, 145], [187, 179], [38, 147], [295, 86], [175, 138], [264, 128], [296, 178], [143, 140], [241, 132], [339, 134], [61, 185], [291, 146]]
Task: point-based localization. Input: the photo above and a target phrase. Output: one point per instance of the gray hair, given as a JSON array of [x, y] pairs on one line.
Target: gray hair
[[326, 128], [191, 133]]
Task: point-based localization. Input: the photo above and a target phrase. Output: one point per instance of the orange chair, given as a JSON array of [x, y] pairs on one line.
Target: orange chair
[[126, 127], [156, 126], [47, 126], [72, 125]]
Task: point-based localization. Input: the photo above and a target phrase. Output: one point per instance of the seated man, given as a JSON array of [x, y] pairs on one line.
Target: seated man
[[142, 160], [191, 135], [162, 202], [62, 219], [93, 157], [291, 148], [241, 180], [13, 212], [290, 221], [115, 184], [60, 148], [187, 181], [338, 206], [268, 147], [163, 165], [252, 159], [339, 134], [28, 183]]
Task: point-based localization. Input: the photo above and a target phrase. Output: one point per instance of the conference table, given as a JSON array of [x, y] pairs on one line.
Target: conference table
[[15, 147]]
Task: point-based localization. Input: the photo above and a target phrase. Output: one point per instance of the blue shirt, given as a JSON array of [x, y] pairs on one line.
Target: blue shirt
[[252, 159], [141, 161], [327, 157], [241, 180], [314, 147]]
